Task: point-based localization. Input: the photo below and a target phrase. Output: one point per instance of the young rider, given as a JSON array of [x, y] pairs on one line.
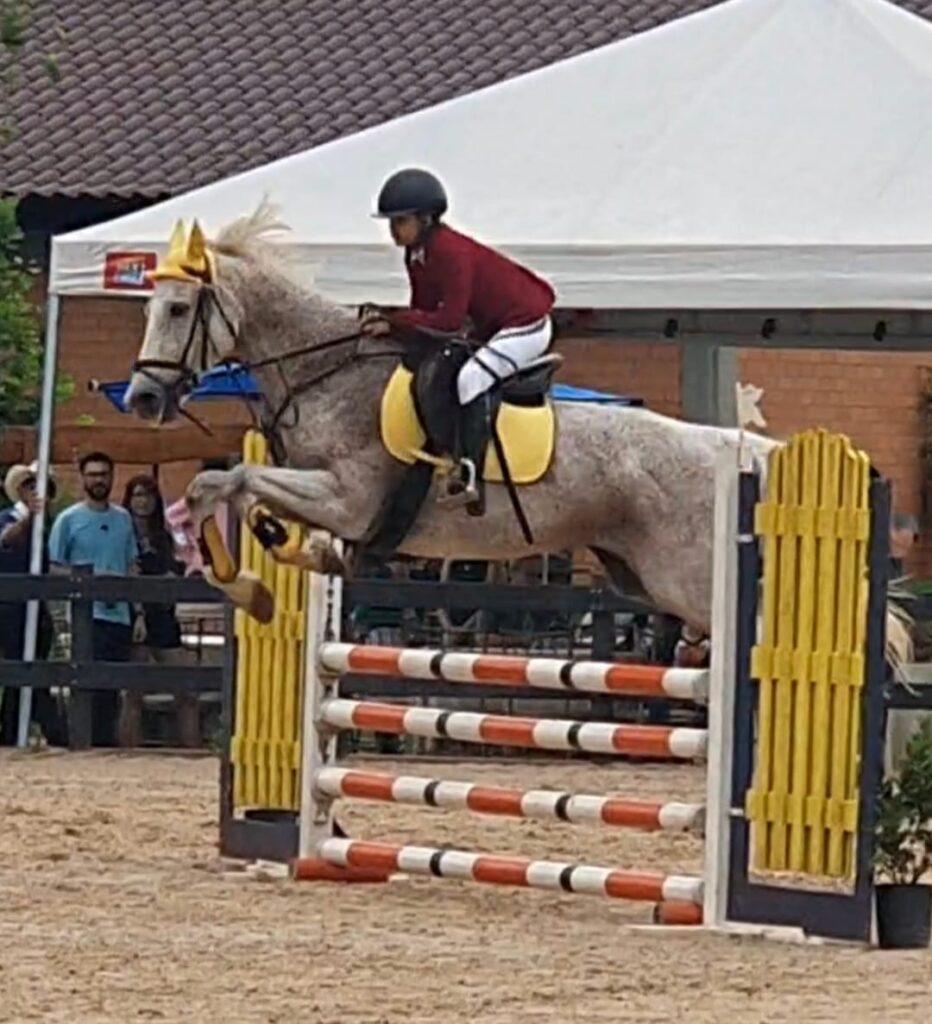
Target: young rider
[[460, 285]]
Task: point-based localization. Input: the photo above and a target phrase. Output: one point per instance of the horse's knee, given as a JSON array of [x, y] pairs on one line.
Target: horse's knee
[[212, 486]]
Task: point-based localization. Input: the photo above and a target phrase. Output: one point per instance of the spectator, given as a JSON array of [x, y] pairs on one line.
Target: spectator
[[15, 547], [180, 525], [904, 535], [96, 533], [157, 630]]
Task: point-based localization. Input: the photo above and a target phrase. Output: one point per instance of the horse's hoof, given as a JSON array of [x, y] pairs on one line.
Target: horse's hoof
[[248, 592], [259, 600], [332, 564]]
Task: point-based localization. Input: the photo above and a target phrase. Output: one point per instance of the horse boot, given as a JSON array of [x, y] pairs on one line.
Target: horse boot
[[467, 487], [315, 556]]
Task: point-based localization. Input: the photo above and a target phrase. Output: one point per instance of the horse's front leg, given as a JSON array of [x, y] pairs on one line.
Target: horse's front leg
[[259, 493], [312, 498], [306, 549], [205, 493]]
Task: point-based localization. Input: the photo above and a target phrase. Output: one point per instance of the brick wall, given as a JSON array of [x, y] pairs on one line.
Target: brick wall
[[647, 371], [873, 398], [100, 338]]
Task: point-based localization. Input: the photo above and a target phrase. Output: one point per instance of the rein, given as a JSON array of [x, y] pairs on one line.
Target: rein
[[271, 426], [207, 356]]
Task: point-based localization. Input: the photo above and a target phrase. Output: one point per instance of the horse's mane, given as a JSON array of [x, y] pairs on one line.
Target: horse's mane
[[255, 239], [251, 236]]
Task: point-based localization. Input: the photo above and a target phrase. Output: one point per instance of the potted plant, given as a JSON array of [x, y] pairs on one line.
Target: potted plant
[[903, 849]]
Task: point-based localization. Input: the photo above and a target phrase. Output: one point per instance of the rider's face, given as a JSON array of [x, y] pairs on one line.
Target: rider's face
[[406, 230]]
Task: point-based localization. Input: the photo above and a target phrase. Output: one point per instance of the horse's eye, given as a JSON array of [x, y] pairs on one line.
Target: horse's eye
[[177, 309]]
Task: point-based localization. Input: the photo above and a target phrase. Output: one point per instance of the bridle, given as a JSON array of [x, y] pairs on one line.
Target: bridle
[[190, 370], [200, 354]]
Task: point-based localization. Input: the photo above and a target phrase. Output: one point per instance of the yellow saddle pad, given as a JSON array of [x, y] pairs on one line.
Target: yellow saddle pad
[[527, 434]]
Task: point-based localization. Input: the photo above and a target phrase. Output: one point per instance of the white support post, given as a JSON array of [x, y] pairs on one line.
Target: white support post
[[46, 422], [335, 595], [318, 746], [722, 684]]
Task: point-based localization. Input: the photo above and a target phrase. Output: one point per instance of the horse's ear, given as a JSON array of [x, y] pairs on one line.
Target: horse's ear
[[170, 266], [176, 242], [197, 261]]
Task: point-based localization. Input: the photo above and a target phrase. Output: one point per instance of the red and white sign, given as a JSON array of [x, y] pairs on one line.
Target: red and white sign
[[127, 271]]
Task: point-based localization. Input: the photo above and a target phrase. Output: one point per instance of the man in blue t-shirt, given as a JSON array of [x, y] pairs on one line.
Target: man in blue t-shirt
[[96, 533]]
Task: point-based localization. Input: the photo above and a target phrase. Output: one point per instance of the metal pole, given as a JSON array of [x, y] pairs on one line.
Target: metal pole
[[46, 416]]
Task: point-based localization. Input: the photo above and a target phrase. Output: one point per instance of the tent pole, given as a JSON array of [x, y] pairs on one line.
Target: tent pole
[[46, 416]]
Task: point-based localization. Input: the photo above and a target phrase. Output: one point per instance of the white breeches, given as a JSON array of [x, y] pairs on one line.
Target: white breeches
[[506, 353]]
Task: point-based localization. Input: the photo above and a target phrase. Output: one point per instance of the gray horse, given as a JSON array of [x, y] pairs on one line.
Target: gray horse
[[634, 486]]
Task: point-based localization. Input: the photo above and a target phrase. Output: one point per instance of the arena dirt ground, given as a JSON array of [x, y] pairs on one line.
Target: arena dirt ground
[[114, 907]]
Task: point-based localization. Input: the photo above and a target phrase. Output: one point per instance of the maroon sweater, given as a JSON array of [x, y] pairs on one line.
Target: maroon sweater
[[454, 278]]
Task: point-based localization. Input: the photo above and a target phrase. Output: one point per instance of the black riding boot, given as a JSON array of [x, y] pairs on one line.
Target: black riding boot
[[467, 487]]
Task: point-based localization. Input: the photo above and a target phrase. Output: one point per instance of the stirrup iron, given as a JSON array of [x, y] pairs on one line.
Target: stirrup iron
[[459, 493]]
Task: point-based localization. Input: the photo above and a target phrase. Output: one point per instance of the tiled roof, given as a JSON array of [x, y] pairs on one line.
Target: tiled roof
[[158, 97]]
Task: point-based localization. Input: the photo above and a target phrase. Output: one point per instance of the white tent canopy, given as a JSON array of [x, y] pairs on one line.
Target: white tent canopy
[[760, 154]]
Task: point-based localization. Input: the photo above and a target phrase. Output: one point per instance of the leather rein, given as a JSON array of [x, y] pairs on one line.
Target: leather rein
[[200, 354]]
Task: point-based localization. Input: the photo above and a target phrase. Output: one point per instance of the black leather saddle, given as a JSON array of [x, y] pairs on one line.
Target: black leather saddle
[[435, 359]]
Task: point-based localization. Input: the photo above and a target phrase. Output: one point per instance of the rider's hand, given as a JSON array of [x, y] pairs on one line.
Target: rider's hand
[[375, 326]]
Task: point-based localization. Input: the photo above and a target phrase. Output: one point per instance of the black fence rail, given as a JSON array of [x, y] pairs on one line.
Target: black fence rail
[[570, 620], [80, 673]]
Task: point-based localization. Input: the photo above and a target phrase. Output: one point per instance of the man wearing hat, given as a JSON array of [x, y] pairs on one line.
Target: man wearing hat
[[15, 544]]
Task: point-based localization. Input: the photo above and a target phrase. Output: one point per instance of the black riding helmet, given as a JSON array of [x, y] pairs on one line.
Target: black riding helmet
[[412, 191]]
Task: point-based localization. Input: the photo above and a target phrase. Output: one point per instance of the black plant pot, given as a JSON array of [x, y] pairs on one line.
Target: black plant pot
[[904, 916]]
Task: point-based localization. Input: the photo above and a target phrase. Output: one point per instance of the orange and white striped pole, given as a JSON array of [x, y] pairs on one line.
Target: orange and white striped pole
[[677, 913], [504, 670], [540, 804], [535, 733], [583, 879]]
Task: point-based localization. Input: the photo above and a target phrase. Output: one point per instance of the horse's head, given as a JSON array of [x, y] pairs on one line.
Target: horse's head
[[191, 325]]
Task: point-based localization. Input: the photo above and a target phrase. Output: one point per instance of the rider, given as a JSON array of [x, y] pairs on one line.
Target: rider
[[456, 281]]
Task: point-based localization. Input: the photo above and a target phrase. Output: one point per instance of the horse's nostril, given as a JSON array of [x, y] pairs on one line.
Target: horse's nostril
[[146, 403]]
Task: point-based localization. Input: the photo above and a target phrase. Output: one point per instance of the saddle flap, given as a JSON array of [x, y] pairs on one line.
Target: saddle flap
[[527, 433]]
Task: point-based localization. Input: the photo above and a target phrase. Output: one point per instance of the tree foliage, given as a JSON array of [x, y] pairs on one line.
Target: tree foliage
[[20, 330], [20, 325]]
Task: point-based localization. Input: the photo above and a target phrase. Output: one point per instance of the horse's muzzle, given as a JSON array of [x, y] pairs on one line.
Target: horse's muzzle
[[149, 399]]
